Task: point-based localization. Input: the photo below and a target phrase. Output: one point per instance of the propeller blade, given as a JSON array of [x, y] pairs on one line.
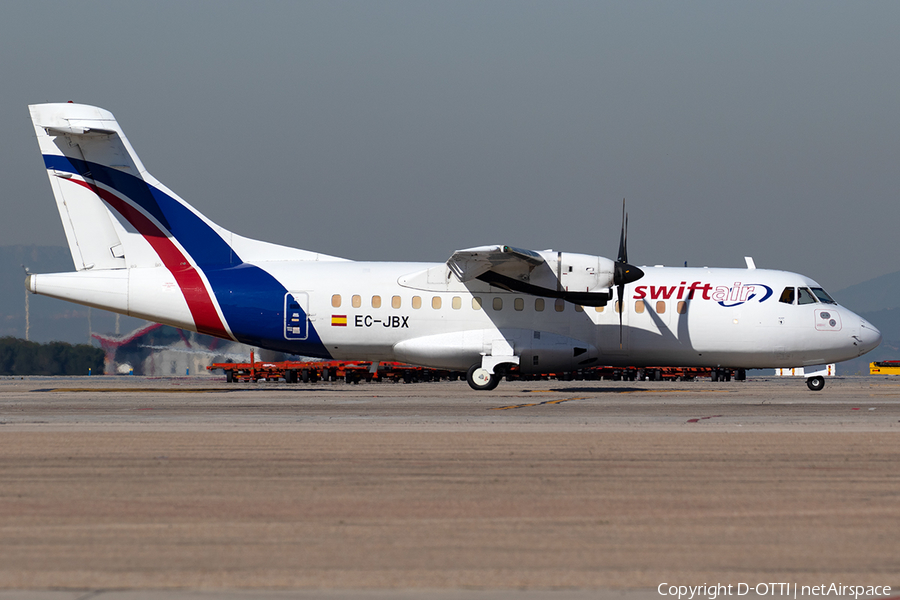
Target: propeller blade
[[624, 273], [620, 304]]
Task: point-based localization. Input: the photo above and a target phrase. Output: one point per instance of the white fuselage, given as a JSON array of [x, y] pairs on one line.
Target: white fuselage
[[421, 314]]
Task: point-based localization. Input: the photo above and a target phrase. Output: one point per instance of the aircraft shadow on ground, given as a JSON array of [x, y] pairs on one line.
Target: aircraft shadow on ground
[[593, 390]]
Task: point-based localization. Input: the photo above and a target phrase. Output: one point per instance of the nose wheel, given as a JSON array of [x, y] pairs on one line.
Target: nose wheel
[[479, 379], [816, 383]]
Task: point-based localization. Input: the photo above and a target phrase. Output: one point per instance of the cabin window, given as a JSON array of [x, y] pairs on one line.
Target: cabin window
[[519, 304], [456, 303], [395, 302], [559, 305], [618, 307], [356, 301], [497, 303], [787, 296], [417, 302], [600, 308], [539, 304], [476, 303], [436, 302], [639, 306], [681, 307], [660, 307], [804, 296], [376, 301], [579, 308], [336, 301]]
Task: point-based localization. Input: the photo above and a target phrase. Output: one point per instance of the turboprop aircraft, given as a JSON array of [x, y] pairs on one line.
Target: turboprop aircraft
[[140, 250]]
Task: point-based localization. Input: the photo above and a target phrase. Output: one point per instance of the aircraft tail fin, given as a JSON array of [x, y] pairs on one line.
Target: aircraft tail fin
[[145, 251], [115, 214], [63, 132]]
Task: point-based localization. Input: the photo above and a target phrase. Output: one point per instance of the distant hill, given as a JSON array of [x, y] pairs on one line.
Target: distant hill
[[881, 293]]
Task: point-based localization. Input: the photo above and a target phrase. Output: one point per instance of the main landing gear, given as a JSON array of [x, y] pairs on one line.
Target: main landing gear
[[479, 378], [816, 383]]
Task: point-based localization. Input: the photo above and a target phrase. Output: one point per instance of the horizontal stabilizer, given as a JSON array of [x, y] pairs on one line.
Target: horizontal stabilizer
[[77, 130]]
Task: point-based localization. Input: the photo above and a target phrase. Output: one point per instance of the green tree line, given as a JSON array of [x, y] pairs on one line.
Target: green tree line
[[19, 357]]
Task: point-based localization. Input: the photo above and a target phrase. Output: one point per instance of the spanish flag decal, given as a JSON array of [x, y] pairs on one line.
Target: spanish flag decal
[[338, 320]]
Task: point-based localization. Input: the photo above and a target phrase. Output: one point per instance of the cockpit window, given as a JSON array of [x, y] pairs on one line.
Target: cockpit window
[[805, 296], [823, 296]]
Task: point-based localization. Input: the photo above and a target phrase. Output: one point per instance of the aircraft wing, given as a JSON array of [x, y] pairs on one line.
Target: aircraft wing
[[576, 278], [512, 262]]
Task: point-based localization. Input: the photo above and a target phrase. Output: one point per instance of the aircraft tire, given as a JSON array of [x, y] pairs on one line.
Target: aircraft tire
[[816, 383], [481, 381]]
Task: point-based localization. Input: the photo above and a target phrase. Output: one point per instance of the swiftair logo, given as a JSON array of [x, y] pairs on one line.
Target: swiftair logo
[[726, 296]]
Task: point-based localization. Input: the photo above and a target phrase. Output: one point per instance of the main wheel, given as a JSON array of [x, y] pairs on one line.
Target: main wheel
[[479, 378], [816, 383]]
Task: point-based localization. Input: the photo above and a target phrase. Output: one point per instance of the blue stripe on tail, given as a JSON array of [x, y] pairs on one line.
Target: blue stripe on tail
[[251, 299]]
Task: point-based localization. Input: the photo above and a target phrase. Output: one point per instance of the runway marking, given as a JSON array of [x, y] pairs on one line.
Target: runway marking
[[698, 419], [633, 391], [138, 390], [678, 391], [559, 401]]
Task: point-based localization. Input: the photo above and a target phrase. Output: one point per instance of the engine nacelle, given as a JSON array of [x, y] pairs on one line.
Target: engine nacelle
[[571, 272]]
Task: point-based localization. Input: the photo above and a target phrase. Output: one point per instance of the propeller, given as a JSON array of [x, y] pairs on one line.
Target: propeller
[[624, 273]]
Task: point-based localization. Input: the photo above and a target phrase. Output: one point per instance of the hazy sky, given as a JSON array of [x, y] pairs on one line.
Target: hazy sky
[[407, 130]]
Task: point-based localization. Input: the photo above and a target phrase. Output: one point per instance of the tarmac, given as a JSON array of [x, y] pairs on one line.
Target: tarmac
[[130, 488]]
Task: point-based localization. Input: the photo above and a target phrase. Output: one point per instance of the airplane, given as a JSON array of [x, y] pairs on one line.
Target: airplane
[[140, 250]]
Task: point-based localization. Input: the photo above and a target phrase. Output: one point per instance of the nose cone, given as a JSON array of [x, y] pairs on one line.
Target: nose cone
[[869, 336]]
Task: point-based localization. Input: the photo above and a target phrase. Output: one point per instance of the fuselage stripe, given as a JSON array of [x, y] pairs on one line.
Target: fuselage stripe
[[203, 311]]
